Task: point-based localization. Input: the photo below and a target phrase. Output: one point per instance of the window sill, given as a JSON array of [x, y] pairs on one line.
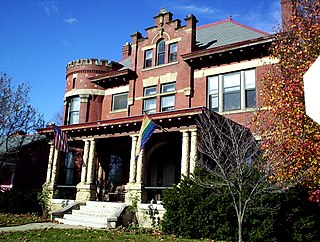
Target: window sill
[[119, 111], [238, 111], [160, 66]]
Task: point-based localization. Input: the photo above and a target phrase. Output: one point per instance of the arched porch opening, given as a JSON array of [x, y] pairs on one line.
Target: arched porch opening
[[163, 165]]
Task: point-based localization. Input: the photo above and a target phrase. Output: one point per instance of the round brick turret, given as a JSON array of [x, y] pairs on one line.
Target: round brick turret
[[79, 71], [78, 84]]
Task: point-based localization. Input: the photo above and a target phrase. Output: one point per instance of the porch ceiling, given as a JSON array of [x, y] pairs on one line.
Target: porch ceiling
[[171, 121]]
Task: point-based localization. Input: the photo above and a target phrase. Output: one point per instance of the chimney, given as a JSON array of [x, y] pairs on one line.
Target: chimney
[[126, 50], [286, 8]]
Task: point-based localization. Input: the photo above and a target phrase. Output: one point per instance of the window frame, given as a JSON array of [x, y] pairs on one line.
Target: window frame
[[149, 111], [161, 52], [245, 92], [234, 90], [163, 86], [169, 88], [113, 101], [147, 61], [172, 55], [145, 92], [74, 114], [167, 108]]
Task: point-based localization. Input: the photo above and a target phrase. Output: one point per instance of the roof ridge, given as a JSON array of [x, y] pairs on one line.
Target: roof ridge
[[212, 24], [229, 19]]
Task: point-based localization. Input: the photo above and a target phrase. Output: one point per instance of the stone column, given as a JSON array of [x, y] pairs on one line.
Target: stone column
[[133, 162], [54, 167], [185, 154], [86, 190], [83, 108], [85, 161], [50, 161], [140, 167], [91, 162], [193, 151]]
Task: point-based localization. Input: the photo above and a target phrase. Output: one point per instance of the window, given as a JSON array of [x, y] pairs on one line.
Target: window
[[213, 87], [160, 52], [168, 101], [68, 169], [148, 58], [232, 91], [173, 48], [74, 110], [149, 105], [250, 88], [150, 91], [168, 87], [73, 83], [119, 101]]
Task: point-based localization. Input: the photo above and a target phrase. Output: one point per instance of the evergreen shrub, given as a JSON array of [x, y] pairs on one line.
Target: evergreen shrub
[[193, 211], [20, 201]]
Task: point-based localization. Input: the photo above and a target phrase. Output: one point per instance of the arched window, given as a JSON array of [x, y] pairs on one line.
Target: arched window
[[161, 52]]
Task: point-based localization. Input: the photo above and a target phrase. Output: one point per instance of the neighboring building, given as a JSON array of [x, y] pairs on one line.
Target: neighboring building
[[172, 74], [23, 162]]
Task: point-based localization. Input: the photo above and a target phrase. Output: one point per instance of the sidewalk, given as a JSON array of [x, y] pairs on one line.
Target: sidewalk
[[40, 226]]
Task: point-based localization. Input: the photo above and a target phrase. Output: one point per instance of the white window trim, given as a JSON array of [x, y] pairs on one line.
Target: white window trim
[[122, 109], [242, 93]]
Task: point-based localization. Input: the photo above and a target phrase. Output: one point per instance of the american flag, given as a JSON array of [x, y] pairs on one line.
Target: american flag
[[60, 139]]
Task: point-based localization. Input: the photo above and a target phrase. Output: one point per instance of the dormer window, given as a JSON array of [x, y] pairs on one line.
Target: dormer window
[[161, 52]]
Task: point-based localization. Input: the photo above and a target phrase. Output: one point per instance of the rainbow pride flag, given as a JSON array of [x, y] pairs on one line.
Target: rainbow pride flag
[[147, 128]]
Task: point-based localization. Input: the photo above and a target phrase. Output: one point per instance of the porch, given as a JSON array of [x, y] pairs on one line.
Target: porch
[[101, 164]]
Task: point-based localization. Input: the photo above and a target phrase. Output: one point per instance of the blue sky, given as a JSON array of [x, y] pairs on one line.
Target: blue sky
[[39, 37]]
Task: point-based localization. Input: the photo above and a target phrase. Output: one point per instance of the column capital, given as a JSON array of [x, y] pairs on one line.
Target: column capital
[[84, 98], [88, 139]]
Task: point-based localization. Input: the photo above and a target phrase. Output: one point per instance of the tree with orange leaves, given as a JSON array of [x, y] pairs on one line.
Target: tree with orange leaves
[[292, 139]]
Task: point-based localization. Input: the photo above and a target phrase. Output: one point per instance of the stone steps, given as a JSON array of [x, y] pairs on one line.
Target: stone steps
[[95, 215]]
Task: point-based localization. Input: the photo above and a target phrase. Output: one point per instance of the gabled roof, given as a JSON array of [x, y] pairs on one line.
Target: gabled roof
[[225, 32], [18, 141]]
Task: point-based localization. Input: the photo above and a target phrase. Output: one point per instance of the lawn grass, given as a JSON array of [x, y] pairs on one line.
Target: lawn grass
[[54, 234], [86, 235], [7, 219]]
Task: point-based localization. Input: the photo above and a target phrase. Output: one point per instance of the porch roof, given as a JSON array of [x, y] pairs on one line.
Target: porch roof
[[172, 120]]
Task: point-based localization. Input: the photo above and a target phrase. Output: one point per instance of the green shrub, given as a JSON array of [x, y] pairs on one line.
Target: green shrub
[[19, 201], [193, 211], [288, 216]]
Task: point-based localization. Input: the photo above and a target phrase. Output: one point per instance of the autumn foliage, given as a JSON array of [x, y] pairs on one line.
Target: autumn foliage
[[292, 139]]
